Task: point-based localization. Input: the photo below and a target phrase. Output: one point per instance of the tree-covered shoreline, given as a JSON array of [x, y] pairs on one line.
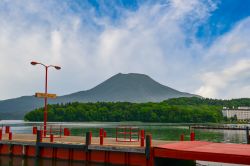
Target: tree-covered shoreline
[[179, 110]]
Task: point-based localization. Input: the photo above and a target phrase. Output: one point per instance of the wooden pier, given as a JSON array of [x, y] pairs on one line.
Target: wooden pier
[[92, 149]]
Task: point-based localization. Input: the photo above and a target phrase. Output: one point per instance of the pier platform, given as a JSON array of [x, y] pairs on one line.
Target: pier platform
[[154, 152], [108, 141], [205, 151]]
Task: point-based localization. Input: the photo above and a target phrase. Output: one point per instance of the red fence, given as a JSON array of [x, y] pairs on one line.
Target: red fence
[[127, 134], [55, 131]]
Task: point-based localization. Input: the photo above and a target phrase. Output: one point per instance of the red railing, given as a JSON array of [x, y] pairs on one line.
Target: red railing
[[56, 130], [127, 134]]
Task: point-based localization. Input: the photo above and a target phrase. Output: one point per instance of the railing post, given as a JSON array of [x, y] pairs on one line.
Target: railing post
[[88, 138], [51, 138], [142, 138], [101, 136], [60, 131], [7, 129], [192, 136], [34, 130], [247, 135], [66, 132], [182, 137], [104, 133], [10, 136]]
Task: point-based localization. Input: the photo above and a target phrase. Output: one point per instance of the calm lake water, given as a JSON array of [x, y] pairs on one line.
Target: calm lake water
[[161, 131]]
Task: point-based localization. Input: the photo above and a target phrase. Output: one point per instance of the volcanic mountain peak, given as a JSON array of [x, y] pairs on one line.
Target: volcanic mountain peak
[[131, 87]]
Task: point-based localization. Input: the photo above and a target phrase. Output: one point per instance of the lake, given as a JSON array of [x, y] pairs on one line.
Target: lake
[[161, 131]]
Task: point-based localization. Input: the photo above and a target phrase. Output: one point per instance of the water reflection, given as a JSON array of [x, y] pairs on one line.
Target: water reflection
[[235, 136], [19, 161], [161, 131]]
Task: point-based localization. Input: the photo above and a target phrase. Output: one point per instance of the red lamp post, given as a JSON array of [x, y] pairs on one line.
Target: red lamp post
[[46, 88]]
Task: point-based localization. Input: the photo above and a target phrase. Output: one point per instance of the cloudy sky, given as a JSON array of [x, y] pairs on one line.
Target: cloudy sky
[[196, 46]]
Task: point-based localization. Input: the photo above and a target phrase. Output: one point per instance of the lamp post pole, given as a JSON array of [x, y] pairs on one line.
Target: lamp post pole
[[45, 102], [46, 92]]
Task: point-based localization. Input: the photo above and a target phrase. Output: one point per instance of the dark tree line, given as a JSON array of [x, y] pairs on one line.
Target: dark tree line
[[189, 110], [211, 102]]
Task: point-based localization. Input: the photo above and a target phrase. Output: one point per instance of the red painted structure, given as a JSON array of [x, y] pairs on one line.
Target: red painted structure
[[70, 154], [10, 136], [34, 130], [142, 138], [66, 132], [205, 151], [127, 134], [17, 150], [101, 135], [192, 136], [7, 129], [56, 130], [131, 155]]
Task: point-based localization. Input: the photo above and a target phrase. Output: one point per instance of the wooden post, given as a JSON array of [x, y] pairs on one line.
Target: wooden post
[[39, 136], [38, 140], [148, 146]]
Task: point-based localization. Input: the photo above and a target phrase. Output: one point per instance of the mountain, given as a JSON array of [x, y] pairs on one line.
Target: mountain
[[17, 107], [130, 87]]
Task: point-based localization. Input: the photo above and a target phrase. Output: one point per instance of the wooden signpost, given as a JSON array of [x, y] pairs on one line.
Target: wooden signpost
[[45, 95]]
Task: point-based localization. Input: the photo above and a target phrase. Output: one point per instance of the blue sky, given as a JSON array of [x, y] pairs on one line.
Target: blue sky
[[223, 19], [196, 46]]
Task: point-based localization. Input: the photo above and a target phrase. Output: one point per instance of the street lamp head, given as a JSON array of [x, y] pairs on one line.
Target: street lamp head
[[57, 67], [34, 63]]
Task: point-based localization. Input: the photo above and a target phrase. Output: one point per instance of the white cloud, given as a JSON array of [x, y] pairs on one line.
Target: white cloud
[[158, 39], [227, 71], [214, 82]]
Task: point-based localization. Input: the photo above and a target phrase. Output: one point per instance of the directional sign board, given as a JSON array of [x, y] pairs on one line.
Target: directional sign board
[[43, 95]]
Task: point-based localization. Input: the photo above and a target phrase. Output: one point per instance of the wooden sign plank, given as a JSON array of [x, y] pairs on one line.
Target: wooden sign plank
[[43, 95]]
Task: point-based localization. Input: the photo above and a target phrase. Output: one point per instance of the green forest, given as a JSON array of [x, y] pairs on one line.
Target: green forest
[[184, 110]]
